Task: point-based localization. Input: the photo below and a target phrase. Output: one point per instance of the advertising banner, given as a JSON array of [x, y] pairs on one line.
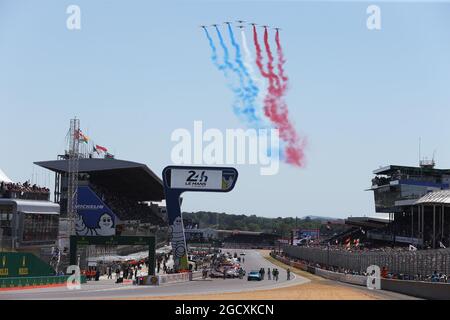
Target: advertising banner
[[94, 216], [308, 233]]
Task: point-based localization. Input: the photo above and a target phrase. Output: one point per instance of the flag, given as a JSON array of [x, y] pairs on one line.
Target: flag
[[80, 136], [100, 148], [412, 248], [348, 242], [84, 138], [441, 245]]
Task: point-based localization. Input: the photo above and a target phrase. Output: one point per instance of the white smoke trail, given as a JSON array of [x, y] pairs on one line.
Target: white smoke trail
[[248, 62]]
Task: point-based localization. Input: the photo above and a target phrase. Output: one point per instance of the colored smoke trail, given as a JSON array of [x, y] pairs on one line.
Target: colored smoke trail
[[248, 62], [281, 60], [214, 58], [259, 54], [270, 59], [240, 76], [274, 105], [238, 57], [250, 90], [247, 55], [237, 90]]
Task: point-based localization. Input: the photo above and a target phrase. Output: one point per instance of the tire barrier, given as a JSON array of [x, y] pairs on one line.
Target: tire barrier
[[342, 277], [163, 279], [300, 266], [196, 275]]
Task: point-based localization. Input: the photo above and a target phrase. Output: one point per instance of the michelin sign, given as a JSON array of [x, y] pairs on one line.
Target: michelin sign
[[179, 179], [94, 217]]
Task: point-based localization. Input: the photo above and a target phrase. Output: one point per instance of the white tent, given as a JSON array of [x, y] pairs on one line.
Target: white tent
[[3, 177]]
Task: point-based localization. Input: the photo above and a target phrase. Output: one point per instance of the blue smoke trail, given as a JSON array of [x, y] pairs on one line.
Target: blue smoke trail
[[214, 58], [240, 91], [224, 68]]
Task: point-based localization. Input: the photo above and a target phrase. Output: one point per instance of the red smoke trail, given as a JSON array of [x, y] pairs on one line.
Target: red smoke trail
[[270, 59], [259, 54], [281, 60], [274, 106], [294, 150], [269, 100]]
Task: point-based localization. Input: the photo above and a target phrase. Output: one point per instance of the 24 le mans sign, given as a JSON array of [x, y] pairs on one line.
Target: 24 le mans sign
[[200, 178], [178, 179]]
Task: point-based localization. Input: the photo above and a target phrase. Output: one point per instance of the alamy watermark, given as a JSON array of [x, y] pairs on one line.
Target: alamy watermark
[[74, 280], [373, 277], [235, 146], [73, 21], [373, 21]]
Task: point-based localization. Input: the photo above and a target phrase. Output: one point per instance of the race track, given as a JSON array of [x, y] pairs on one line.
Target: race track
[[107, 289]]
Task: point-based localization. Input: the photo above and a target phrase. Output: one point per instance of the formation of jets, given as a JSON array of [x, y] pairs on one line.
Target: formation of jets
[[240, 26]]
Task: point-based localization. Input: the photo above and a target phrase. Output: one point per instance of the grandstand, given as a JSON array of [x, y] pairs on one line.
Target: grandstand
[[114, 198], [246, 239], [357, 228], [417, 200], [4, 178], [230, 238], [126, 187], [28, 220], [411, 244]]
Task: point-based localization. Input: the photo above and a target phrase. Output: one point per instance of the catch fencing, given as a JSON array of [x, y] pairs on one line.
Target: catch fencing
[[422, 262]]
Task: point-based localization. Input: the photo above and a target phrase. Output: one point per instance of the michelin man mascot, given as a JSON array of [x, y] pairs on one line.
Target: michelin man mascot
[[176, 234]]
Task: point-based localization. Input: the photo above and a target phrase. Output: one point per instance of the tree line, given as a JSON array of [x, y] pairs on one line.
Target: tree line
[[224, 221]]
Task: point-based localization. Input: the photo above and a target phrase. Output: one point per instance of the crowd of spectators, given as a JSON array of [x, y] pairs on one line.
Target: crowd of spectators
[[23, 191], [379, 181], [361, 248], [385, 273], [128, 209]]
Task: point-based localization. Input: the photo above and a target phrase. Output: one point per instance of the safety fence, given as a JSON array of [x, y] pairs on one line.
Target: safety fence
[[422, 289], [421, 262]]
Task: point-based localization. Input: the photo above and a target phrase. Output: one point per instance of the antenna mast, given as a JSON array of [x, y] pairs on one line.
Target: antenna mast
[[72, 187], [420, 155]]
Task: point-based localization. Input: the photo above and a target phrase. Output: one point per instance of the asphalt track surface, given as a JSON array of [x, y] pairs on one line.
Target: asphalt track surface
[[107, 289]]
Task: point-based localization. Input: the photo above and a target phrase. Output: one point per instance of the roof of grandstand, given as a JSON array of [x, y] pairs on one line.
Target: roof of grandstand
[[4, 177], [131, 179], [33, 206], [412, 170], [366, 222], [437, 197]]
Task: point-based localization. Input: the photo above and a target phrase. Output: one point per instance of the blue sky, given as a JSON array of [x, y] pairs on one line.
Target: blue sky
[[137, 70]]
